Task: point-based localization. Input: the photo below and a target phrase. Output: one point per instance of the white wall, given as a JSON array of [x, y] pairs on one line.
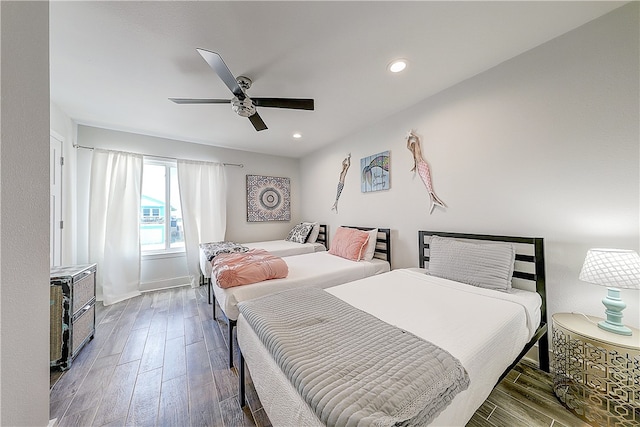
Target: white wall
[[544, 145], [24, 214], [170, 271]]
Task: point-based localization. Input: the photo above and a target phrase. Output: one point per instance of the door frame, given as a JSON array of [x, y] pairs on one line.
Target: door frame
[[56, 162]]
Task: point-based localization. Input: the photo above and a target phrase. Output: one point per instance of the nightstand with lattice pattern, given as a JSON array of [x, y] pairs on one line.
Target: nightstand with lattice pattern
[[596, 373]]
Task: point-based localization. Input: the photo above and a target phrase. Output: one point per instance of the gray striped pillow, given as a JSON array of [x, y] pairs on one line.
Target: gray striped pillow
[[487, 265]]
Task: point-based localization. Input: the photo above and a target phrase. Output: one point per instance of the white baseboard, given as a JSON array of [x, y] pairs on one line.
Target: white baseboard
[[165, 284], [532, 355]]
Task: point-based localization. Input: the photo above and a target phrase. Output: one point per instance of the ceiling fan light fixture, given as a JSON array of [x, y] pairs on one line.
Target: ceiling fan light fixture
[[244, 107], [397, 65]]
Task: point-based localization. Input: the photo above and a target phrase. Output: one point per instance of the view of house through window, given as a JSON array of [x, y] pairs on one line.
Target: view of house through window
[[161, 214]]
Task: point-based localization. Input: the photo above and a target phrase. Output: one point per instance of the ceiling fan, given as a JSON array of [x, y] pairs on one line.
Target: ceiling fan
[[241, 103]]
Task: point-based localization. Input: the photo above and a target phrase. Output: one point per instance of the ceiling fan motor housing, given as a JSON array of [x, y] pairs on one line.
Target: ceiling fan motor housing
[[244, 82], [244, 107]]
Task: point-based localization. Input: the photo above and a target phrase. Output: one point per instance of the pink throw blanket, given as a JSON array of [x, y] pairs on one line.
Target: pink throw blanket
[[254, 266]]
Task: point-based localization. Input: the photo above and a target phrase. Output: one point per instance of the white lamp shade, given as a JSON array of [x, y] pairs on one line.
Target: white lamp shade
[[616, 268]]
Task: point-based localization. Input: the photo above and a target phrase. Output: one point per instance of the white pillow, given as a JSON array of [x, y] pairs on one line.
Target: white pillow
[[315, 231], [486, 265], [370, 249]]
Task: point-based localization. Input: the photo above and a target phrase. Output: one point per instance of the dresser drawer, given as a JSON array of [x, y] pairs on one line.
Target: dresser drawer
[[84, 291], [83, 328]]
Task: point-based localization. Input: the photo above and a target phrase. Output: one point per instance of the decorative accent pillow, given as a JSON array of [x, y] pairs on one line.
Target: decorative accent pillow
[[486, 265], [299, 233], [349, 243], [370, 249], [315, 231]]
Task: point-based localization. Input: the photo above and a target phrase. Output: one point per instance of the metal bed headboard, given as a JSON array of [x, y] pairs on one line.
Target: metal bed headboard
[[323, 237], [538, 277], [383, 242]]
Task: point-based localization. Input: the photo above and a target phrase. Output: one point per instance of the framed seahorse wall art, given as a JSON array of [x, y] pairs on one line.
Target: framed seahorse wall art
[[375, 172]]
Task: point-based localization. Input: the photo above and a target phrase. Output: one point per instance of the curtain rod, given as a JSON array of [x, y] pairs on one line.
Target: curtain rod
[[240, 165]]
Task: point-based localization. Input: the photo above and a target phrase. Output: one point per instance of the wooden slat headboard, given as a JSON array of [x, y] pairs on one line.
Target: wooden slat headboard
[[529, 266]]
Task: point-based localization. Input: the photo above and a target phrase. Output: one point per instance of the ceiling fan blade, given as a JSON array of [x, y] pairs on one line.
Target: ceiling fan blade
[[294, 103], [215, 61], [257, 122], [199, 101]]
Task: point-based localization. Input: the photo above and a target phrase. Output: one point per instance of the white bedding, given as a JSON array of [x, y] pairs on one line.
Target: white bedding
[[318, 269], [281, 248], [484, 329]]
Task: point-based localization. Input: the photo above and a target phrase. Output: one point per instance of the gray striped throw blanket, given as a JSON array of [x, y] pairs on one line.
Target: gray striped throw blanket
[[350, 367]]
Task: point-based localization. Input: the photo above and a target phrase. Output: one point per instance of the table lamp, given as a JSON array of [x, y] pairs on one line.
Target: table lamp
[[617, 269]]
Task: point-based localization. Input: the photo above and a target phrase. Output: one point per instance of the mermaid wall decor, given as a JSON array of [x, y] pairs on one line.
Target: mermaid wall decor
[[345, 167], [421, 166]]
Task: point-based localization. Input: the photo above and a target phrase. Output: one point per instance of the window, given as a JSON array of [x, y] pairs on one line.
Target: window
[[161, 214]]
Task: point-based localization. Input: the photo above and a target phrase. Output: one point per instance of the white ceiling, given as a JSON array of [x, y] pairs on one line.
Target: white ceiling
[[114, 64]]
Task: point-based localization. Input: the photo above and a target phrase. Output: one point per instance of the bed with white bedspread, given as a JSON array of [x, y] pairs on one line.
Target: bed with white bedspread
[[317, 242], [486, 330], [318, 269]]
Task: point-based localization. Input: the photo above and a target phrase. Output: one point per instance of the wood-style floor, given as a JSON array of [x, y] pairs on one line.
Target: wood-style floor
[[160, 360]]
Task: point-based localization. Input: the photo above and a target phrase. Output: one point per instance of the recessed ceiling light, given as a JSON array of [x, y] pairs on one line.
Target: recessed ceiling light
[[397, 65], [297, 135]]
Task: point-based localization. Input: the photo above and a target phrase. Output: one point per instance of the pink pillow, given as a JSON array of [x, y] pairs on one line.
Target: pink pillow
[[349, 243]]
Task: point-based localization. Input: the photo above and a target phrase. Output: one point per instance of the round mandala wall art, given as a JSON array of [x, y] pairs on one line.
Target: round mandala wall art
[[268, 198]]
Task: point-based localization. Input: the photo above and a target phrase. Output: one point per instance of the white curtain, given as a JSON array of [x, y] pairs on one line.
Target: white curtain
[[114, 231], [203, 195]]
